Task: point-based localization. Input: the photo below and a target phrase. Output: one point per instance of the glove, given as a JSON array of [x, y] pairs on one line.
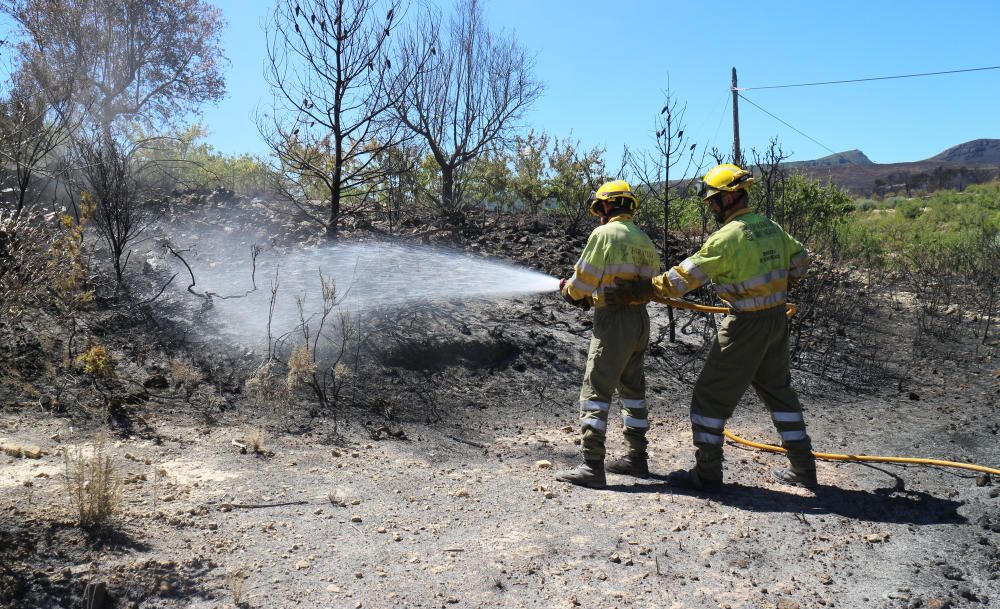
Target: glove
[[629, 292], [582, 303]]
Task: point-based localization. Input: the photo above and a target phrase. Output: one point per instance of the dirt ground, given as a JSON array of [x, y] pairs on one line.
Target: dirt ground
[[433, 486]]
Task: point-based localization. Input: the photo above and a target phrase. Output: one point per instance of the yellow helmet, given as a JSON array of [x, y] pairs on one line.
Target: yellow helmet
[[724, 178], [617, 191]]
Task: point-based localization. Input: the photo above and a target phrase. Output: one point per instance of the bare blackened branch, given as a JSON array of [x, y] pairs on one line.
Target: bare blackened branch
[[474, 89], [330, 65]]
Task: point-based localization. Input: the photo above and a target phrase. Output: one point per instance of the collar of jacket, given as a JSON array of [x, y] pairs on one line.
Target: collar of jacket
[[737, 214], [620, 218]]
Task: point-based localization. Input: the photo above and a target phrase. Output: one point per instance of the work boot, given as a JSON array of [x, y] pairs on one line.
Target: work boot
[[630, 465], [804, 479], [690, 481], [590, 475]]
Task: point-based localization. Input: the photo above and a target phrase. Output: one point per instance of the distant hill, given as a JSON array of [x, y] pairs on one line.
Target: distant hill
[[851, 157], [957, 167], [975, 152]]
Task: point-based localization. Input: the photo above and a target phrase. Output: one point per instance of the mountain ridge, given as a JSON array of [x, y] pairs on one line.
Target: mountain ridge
[[967, 163]]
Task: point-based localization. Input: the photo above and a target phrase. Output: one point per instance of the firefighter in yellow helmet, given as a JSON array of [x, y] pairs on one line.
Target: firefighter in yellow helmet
[[752, 261], [616, 250]]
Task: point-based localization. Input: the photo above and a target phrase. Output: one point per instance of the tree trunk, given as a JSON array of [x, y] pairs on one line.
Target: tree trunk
[[447, 189], [333, 225], [671, 324], [450, 206]]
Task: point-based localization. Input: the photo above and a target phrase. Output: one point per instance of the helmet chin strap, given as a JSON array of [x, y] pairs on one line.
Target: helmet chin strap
[[724, 209], [607, 214]]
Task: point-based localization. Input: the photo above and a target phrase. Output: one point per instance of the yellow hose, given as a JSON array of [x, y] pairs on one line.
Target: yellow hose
[[791, 310], [867, 458]]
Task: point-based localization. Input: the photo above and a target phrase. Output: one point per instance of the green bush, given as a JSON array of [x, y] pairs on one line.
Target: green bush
[[909, 209]]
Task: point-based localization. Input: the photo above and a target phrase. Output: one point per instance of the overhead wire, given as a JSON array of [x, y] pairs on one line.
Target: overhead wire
[[739, 90], [839, 82], [722, 116], [799, 131]]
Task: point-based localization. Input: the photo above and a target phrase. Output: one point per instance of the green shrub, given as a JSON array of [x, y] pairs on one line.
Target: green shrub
[[909, 209]]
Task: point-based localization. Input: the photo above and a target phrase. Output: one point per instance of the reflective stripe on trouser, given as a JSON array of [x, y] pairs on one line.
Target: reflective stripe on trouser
[[750, 349], [615, 362]]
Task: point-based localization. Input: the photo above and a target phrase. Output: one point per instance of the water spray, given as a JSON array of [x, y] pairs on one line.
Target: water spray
[[367, 276]]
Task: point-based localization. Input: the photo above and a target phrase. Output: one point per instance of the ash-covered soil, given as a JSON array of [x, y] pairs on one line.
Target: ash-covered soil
[[431, 484]]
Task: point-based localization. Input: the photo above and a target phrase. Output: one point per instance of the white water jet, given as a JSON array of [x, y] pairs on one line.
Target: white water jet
[[369, 275]]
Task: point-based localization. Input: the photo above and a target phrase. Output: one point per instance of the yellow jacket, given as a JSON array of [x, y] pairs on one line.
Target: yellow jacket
[[616, 250], [751, 261]]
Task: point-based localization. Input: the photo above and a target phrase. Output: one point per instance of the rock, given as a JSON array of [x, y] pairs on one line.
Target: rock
[[32, 452], [302, 564], [825, 579], [787, 603], [938, 603], [543, 464], [615, 558], [451, 600], [983, 480], [995, 492], [913, 396], [953, 573]]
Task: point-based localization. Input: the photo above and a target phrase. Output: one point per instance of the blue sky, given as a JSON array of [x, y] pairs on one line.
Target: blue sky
[[606, 66]]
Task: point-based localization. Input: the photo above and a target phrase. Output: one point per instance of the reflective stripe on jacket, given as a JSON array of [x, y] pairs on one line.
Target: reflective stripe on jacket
[[751, 261], [616, 250]]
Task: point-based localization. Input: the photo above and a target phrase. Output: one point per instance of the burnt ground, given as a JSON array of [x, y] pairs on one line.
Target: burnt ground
[[430, 483]]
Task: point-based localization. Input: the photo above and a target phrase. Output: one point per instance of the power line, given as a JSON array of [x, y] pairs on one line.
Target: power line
[[722, 116], [820, 144], [839, 82]]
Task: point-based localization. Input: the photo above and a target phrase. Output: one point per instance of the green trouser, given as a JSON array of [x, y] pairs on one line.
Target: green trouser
[[750, 348], [615, 361]]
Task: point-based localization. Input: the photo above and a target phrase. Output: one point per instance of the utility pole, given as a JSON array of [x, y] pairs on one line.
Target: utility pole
[[736, 122]]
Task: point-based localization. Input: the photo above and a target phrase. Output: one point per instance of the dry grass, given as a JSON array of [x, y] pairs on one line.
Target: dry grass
[[211, 396], [265, 386], [185, 373], [92, 484], [256, 441], [301, 367], [237, 582]]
